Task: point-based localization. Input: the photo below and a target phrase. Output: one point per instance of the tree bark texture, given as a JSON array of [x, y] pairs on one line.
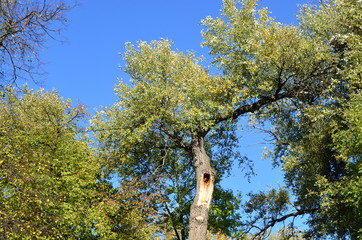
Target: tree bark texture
[[199, 212]]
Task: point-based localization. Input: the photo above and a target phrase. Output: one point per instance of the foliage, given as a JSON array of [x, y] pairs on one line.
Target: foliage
[[264, 58], [285, 74], [50, 181], [43, 184], [287, 233], [266, 208], [317, 174], [149, 130], [24, 27], [347, 192], [305, 80], [313, 135]]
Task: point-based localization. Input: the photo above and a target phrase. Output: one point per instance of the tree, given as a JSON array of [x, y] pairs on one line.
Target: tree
[[24, 28], [51, 184], [159, 152], [321, 172], [312, 137], [173, 105], [45, 171]]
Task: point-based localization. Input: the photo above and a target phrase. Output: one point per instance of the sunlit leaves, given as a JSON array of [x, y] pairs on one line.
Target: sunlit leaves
[[172, 85], [170, 98], [264, 57], [297, 77], [318, 64], [51, 183], [48, 174], [318, 140]]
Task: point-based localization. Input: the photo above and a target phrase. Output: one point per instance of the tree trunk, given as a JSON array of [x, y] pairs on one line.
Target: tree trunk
[[199, 212]]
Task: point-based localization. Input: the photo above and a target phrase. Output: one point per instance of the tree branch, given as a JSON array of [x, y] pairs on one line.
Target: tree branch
[[172, 220], [274, 221], [250, 108]]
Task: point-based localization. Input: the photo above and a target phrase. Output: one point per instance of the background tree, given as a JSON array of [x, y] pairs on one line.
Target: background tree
[[312, 136], [51, 182], [173, 105], [24, 28]]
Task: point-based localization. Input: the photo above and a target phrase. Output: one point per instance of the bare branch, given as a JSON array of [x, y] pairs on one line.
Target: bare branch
[[274, 221], [24, 29]]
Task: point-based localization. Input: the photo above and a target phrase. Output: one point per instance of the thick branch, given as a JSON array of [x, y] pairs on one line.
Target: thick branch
[[250, 108], [280, 93]]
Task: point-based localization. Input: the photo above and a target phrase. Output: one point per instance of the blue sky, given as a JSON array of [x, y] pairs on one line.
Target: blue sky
[[86, 66]]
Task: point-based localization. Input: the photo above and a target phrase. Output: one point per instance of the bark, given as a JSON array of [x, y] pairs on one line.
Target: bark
[[205, 176]]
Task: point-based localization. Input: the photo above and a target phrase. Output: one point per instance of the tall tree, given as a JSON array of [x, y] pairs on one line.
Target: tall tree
[[173, 105], [24, 28], [151, 139]]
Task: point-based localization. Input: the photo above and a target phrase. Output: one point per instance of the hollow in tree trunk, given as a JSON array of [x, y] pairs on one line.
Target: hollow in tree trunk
[[199, 212]]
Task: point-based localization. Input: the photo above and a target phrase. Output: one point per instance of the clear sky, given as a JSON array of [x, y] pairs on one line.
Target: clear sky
[[86, 67]]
